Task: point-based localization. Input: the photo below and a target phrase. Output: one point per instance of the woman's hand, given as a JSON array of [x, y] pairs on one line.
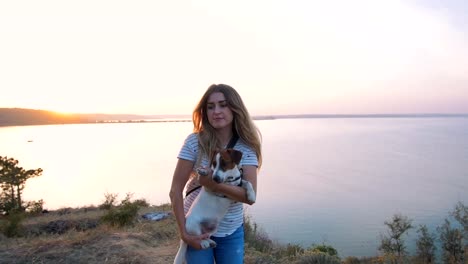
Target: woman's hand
[[205, 178], [194, 241]]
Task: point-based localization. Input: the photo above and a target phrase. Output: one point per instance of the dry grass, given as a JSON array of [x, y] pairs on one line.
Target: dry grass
[[145, 242]]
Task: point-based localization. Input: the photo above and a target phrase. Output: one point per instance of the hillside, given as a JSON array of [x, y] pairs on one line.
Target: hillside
[[78, 235], [21, 117], [24, 117]]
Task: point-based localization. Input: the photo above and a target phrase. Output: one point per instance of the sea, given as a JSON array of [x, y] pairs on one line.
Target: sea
[[333, 181]]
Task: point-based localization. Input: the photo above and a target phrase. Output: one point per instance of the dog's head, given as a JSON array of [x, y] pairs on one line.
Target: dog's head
[[225, 166]]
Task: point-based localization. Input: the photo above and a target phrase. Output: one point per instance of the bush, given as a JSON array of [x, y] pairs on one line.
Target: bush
[[425, 251], [460, 214], [351, 260], [122, 215], [452, 243], [324, 249], [393, 242], [293, 250], [110, 200], [12, 227], [318, 258], [141, 203], [35, 207], [256, 238]]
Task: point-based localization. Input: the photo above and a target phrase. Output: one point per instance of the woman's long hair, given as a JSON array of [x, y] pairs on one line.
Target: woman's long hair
[[242, 122]]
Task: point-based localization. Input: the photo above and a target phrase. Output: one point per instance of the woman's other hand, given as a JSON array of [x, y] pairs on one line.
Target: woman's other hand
[[205, 178], [193, 240]]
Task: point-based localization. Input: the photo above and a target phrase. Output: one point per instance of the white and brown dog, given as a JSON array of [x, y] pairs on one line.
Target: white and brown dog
[[209, 208]]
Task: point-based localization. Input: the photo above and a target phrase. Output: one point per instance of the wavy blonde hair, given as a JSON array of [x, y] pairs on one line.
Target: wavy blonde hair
[[243, 124]]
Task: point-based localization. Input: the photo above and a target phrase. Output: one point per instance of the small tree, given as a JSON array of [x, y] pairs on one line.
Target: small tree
[[425, 250], [454, 239], [451, 238], [122, 215], [460, 214], [12, 181], [393, 243], [324, 249]]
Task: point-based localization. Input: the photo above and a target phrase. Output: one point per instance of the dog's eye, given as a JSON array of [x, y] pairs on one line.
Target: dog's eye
[[222, 163]]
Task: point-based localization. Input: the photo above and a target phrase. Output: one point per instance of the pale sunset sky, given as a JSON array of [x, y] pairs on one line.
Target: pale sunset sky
[[283, 57]]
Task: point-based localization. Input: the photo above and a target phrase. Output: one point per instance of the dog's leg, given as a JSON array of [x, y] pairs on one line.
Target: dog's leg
[[202, 172], [207, 243], [250, 191], [180, 256]]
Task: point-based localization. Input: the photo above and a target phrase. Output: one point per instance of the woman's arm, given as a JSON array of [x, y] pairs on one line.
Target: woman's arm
[[236, 193], [179, 179]]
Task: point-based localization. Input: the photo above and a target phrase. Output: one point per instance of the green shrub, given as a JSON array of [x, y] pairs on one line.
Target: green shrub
[[425, 245], [351, 260], [110, 200], [12, 226], [35, 207], [452, 243], [255, 238], [324, 249], [317, 258], [293, 250], [394, 243], [122, 215], [141, 203]]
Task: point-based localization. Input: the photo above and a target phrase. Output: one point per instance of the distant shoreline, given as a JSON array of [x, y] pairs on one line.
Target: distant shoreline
[[29, 117], [430, 115]]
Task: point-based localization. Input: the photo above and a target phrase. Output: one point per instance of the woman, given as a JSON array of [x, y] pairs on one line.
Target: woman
[[219, 116]]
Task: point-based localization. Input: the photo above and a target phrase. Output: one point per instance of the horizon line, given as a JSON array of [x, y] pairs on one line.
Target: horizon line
[[261, 115]]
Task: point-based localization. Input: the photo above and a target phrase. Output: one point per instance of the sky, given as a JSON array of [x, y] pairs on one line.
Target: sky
[[282, 56]]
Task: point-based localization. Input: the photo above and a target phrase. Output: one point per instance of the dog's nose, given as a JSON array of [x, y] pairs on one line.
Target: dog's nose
[[217, 179]]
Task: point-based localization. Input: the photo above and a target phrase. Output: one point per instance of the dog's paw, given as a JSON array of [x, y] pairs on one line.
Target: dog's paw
[[202, 171], [212, 244], [207, 243], [251, 196]]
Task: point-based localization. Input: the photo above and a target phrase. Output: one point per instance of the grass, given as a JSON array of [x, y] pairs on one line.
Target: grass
[[78, 235], [144, 242]]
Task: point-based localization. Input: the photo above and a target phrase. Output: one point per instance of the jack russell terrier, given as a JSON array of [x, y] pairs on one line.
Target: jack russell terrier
[[209, 208]]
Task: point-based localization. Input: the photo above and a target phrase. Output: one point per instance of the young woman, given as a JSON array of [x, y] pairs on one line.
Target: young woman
[[219, 116]]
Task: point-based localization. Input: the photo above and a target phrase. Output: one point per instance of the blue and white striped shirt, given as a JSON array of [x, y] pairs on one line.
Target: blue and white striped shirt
[[235, 215]]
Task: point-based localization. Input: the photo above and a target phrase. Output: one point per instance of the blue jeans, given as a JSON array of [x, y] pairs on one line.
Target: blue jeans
[[229, 250]]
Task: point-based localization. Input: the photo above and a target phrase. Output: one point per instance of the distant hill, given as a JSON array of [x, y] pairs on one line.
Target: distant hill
[[24, 117], [21, 117]]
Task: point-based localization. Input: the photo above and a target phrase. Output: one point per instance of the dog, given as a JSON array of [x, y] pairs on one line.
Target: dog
[[209, 208]]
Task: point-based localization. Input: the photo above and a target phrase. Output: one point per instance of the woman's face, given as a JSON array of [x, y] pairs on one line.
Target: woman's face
[[219, 114]]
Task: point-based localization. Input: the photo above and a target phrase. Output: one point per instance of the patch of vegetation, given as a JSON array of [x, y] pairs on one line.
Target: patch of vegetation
[[11, 225], [13, 181], [123, 214], [113, 232]]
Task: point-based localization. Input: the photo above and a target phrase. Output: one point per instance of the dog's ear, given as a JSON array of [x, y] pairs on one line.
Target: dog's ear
[[213, 156], [236, 155]]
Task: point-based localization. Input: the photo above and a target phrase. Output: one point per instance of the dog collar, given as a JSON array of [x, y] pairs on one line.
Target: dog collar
[[236, 179]]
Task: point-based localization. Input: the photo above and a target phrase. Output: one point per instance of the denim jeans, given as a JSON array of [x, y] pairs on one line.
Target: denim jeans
[[229, 250]]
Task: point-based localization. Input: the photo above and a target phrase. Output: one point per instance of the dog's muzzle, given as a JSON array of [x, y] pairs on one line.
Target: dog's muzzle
[[217, 179]]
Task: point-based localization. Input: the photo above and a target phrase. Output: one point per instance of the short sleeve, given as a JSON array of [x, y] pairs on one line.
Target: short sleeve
[[249, 157], [189, 149]]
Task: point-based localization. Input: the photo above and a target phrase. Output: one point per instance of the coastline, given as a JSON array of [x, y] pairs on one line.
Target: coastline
[[29, 117]]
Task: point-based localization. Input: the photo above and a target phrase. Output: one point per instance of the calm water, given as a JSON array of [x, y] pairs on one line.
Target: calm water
[[323, 180]]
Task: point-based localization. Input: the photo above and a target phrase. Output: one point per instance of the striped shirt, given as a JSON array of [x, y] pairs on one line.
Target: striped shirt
[[235, 215]]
